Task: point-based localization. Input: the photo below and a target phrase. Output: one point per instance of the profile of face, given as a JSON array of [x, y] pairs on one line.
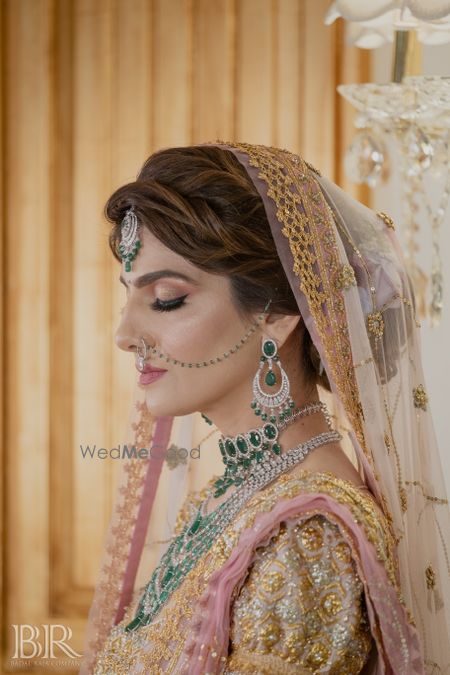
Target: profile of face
[[187, 314]]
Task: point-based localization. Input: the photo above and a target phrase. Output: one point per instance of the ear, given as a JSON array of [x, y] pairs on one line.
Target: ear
[[280, 326]]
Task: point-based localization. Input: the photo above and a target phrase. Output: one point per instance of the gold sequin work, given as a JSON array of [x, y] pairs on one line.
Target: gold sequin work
[[420, 397], [301, 606]]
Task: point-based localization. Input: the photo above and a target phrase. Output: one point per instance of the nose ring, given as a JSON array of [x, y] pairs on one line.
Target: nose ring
[[141, 351]]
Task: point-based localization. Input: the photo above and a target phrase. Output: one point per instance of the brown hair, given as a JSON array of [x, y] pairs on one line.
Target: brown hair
[[200, 202]]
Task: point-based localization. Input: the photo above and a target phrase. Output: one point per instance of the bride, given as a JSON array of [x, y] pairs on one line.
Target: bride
[[256, 289]]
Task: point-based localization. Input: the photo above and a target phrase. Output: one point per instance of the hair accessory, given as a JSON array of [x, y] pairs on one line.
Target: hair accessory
[[129, 238]]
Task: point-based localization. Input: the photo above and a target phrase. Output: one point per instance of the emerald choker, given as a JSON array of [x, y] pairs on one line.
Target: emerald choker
[[241, 453]]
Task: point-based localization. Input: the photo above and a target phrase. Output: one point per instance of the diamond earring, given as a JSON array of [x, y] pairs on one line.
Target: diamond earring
[[277, 406]]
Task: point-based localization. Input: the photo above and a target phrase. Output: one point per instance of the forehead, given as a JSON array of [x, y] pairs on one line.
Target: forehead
[[154, 256]]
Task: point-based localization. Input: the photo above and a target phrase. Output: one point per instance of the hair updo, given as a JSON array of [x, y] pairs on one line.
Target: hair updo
[[200, 202]]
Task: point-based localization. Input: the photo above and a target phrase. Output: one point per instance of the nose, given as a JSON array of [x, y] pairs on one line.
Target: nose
[[126, 336]]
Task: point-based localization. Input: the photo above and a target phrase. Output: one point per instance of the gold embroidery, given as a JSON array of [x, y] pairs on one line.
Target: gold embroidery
[[430, 576], [364, 362], [430, 498], [375, 324], [420, 397], [165, 638], [174, 458], [316, 615], [345, 277], [403, 499], [112, 572], [387, 219], [308, 223], [313, 168]]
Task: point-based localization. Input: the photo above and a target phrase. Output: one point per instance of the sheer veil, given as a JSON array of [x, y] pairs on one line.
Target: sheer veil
[[346, 271]]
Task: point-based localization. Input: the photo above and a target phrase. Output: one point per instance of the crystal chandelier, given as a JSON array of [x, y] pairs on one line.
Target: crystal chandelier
[[407, 119]]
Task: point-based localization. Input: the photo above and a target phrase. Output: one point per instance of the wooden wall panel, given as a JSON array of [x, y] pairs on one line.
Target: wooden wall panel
[[89, 89], [214, 70], [28, 156]]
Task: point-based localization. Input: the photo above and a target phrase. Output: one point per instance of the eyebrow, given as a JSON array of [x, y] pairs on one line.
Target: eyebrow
[[150, 277]]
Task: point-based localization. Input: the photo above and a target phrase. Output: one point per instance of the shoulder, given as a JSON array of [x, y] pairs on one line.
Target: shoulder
[[301, 604], [350, 508]]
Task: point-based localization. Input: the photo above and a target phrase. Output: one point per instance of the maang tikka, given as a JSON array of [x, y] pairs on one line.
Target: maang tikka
[[129, 238]]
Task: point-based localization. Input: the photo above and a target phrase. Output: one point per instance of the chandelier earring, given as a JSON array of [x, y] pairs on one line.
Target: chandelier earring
[[277, 406]]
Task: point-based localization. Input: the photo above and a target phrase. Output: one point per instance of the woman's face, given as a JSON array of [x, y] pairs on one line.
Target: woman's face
[[188, 315]]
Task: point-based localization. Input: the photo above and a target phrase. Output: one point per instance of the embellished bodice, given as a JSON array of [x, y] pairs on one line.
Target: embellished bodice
[[300, 606]]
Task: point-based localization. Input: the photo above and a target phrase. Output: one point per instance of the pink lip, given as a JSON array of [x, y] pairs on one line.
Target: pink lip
[[149, 375]]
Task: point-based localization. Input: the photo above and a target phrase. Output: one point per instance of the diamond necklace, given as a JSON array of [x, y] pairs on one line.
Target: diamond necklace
[[202, 531], [241, 453]]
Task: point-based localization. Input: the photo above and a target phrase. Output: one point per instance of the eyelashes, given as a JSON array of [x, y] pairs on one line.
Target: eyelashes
[[168, 306]]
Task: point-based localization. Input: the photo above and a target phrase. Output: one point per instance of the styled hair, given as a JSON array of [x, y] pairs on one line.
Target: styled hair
[[200, 203]]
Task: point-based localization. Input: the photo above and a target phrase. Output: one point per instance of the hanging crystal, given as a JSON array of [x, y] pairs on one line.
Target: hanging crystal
[[415, 114], [364, 158]]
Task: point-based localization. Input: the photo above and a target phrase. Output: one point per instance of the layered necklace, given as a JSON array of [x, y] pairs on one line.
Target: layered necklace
[[197, 537]]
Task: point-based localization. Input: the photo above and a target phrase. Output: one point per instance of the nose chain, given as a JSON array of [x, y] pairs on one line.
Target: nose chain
[[143, 349]]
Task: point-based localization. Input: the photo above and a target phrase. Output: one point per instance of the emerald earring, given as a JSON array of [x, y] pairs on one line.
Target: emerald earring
[[278, 406]]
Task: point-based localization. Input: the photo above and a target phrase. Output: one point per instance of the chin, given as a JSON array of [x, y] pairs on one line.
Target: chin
[[160, 408]]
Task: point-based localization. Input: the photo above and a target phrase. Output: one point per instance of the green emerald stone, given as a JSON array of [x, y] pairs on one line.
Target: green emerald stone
[[273, 419], [276, 448], [220, 492], [168, 575], [242, 444], [195, 525], [291, 404], [270, 431], [264, 417], [259, 455], [253, 404], [246, 462], [255, 439], [134, 624], [231, 450], [270, 378], [257, 411], [269, 348]]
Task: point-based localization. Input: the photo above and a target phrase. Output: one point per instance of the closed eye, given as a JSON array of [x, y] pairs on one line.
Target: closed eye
[[168, 305]]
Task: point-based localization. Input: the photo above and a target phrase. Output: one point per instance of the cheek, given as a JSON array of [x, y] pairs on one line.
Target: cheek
[[203, 336]]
